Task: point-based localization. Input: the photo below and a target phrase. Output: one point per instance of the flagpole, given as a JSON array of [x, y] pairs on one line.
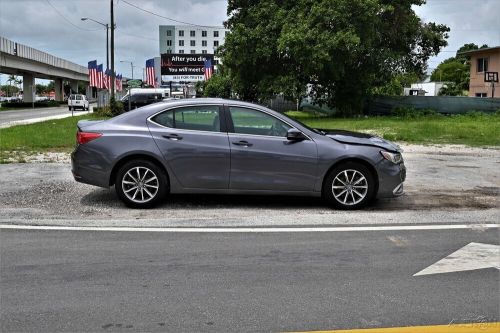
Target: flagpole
[[112, 50]]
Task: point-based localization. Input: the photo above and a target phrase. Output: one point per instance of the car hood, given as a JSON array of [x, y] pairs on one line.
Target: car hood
[[356, 138]]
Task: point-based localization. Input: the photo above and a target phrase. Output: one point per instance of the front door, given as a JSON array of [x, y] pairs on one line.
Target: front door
[[263, 159], [193, 145]]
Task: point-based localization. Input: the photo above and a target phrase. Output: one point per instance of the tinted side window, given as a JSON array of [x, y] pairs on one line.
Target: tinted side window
[[197, 118], [249, 121], [165, 119]]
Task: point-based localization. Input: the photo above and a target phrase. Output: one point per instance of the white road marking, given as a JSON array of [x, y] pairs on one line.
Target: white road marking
[[470, 257], [255, 230], [398, 240]]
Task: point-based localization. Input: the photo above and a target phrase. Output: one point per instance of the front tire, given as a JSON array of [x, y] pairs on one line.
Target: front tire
[[349, 186], [141, 184]]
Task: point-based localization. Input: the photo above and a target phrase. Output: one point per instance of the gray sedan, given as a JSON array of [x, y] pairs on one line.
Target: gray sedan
[[232, 147]]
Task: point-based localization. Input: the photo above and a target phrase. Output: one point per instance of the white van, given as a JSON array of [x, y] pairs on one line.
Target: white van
[[78, 102]]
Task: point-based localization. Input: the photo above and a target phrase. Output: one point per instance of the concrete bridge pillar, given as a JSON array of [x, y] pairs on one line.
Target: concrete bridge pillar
[[74, 86], [58, 87], [88, 92], [28, 88]]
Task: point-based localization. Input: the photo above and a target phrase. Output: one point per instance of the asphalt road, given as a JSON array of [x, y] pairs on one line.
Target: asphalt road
[[13, 117], [228, 282]]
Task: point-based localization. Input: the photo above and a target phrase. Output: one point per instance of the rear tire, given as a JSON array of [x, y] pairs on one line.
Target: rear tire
[[141, 184], [349, 186]]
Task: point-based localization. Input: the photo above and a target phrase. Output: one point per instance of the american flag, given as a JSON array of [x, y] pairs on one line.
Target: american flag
[[93, 73], [118, 82], [150, 72], [100, 78], [106, 79], [208, 69]]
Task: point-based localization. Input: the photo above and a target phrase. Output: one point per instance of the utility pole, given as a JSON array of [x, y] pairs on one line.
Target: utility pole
[[112, 50], [131, 66], [107, 45]]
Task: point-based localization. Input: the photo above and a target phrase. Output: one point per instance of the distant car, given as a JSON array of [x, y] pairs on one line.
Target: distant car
[[77, 101], [232, 147]]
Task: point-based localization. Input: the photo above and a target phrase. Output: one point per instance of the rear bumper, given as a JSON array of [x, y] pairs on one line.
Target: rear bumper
[[87, 171]]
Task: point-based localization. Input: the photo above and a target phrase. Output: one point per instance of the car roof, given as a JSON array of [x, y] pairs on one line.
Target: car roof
[[138, 115], [208, 100]]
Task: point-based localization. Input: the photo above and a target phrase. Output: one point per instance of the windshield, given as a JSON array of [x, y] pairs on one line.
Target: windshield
[[304, 125]]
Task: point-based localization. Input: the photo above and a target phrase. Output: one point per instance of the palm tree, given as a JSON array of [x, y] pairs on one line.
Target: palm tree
[[12, 78], [18, 82]]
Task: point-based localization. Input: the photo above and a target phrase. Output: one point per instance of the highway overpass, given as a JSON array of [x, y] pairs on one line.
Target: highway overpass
[[19, 59]]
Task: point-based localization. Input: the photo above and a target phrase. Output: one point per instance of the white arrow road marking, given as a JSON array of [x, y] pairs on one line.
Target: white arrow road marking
[[470, 257]]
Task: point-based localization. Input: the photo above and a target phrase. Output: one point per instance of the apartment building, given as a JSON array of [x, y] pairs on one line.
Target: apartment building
[[186, 39]]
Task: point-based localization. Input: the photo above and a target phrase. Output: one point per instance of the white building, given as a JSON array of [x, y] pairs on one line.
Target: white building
[[424, 89], [186, 39]]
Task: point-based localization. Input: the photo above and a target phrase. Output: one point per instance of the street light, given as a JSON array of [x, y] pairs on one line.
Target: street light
[[131, 66], [107, 37]]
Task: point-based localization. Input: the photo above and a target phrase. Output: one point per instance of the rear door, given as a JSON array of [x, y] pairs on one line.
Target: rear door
[[194, 144], [263, 159]]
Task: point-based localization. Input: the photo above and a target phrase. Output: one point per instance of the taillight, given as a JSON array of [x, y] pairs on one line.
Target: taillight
[[84, 137]]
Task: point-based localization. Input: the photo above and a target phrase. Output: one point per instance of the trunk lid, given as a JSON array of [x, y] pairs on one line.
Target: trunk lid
[[81, 124]]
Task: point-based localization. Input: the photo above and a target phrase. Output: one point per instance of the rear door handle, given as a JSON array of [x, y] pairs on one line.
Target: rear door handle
[[243, 143], [173, 137]]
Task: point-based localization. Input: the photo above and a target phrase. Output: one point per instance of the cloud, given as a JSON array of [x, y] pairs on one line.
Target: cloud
[[37, 24], [470, 21]]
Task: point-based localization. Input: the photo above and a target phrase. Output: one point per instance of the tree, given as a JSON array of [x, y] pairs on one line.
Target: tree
[[456, 71], [51, 86], [9, 89], [395, 87], [339, 49], [451, 70], [41, 89], [219, 85], [451, 89]]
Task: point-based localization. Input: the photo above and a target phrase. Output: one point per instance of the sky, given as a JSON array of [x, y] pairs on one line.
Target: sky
[[55, 26]]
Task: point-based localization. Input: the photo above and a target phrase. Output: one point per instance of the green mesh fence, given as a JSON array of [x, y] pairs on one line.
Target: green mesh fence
[[384, 105]]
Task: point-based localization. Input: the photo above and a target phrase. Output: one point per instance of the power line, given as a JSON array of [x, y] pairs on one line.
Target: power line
[[137, 36], [55, 9], [168, 18]]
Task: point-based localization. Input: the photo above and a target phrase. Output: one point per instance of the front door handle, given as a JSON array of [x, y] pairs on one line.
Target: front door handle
[[243, 143], [173, 137]]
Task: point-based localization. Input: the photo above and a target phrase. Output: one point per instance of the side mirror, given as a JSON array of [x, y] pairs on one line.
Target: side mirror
[[294, 134]]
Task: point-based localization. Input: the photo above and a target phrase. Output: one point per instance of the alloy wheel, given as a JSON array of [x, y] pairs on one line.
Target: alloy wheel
[[140, 184], [349, 187]]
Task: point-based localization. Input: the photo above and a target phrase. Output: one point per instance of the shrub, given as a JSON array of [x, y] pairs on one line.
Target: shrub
[[25, 105], [114, 108], [411, 112]]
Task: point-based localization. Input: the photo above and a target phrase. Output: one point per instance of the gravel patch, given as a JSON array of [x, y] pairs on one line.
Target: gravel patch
[[452, 184]]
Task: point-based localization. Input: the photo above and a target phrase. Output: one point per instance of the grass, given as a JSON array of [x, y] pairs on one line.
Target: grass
[[52, 135], [475, 129]]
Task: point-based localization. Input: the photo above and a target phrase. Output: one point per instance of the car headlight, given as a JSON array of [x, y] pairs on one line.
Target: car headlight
[[395, 158]]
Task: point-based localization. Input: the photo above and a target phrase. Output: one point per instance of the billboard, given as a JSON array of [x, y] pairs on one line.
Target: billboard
[[183, 67]]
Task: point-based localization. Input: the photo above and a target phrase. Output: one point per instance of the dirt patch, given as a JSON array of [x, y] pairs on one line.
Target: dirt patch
[[31, 157]]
